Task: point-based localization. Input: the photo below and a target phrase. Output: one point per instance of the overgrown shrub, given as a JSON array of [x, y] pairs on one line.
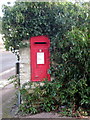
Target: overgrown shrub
[[71, 85], [73, 66], [26, 19]]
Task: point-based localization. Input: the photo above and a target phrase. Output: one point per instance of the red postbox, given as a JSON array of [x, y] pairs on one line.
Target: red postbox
[[40, 58]]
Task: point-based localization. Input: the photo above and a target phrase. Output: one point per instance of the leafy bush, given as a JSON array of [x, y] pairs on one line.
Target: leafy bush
[[71, 85], [26, 19], [73, 66]]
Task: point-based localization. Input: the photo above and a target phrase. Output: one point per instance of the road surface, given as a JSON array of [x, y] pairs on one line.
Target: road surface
[[7, 94], [7, 66], [8, 60]]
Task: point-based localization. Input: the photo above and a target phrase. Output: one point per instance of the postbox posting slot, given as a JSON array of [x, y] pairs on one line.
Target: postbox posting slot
[[40, 43]]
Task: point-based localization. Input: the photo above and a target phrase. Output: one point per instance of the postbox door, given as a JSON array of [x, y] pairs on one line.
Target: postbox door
[[40, 64]]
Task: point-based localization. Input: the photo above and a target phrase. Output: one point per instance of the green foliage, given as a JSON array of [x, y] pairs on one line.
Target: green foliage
[[71, 85], [74, 66], [14, 79], [26, 19]]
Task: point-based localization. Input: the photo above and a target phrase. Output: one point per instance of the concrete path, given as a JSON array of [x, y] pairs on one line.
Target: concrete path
[[8, 100]]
